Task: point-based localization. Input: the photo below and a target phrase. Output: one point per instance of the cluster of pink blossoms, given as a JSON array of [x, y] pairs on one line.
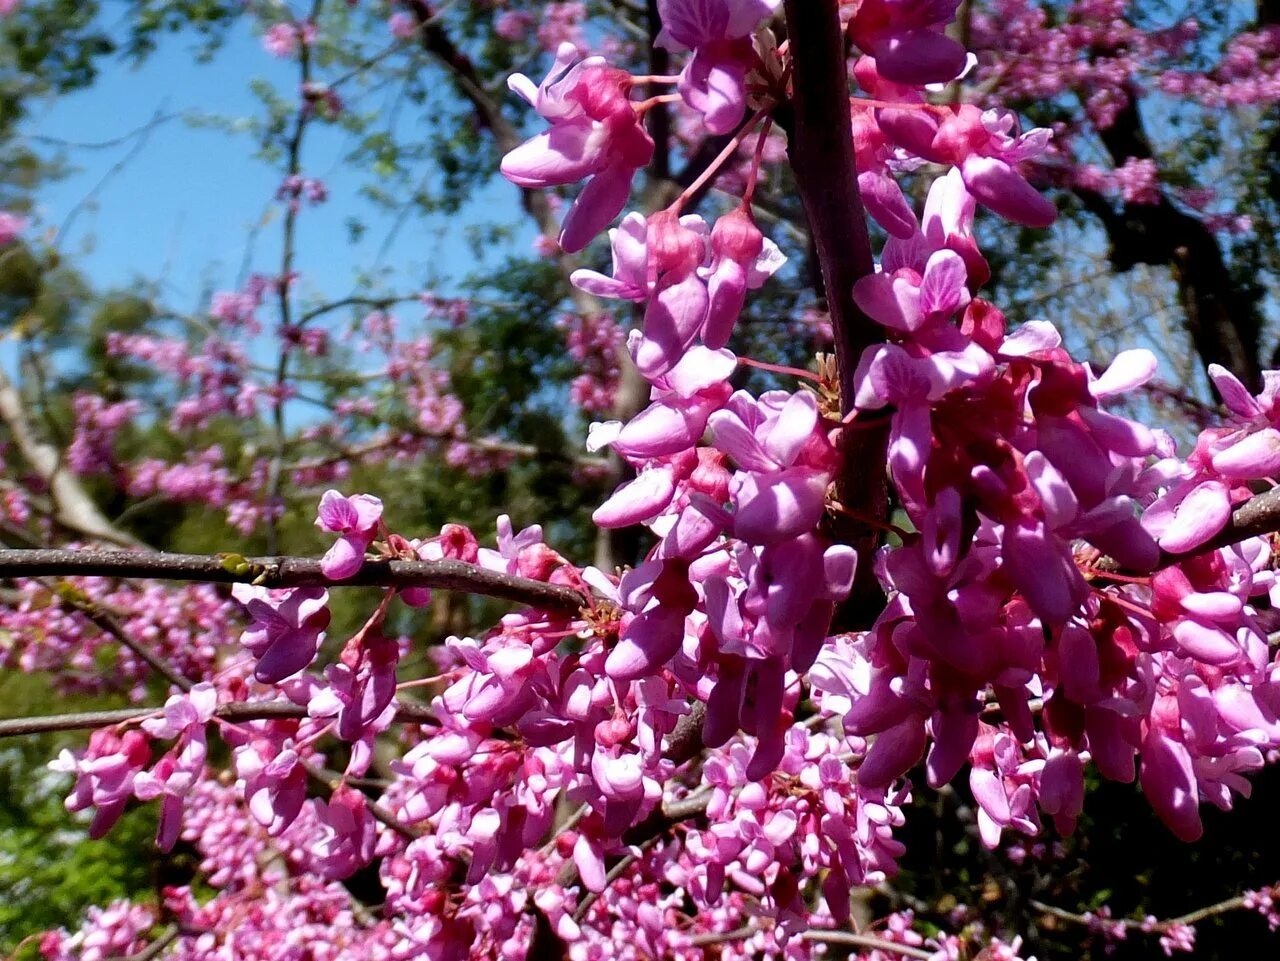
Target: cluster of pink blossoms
[[689, 763]]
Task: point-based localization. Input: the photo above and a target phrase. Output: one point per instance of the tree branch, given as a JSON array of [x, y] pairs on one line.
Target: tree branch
[[1152, 927], [1221, 314], [820, 143], [235, 711], [847, 938], [74, 508], [286, 572], [1256, 516]]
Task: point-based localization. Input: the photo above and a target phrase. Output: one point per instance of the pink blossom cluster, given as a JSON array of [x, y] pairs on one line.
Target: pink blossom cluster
[[283, 39], [91, 450], [1135, 181], [217, 369], [294, 188], [695, 761], [1248, 73], [119, 929], [593, 342], [1109, 56], [557, 23], [189, 627]]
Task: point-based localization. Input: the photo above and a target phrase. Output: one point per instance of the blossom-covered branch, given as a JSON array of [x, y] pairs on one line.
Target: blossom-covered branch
[[279, 572]]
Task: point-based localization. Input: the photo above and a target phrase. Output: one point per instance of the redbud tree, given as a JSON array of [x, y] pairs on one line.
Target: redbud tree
[[944, 563]]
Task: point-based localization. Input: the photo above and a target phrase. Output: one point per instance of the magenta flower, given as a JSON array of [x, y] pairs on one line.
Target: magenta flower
[[985, 146], [357, 519], [784, 462], [660, 596], [595, 132], [349, 837], [105, 775], [630, 280], [742, 259], [175, 775], [361, 694], [907, 40], [1169, 782], [272, 781], [906, 300], [682, 401], [719, 34], [286, 629], [1188, 514], [281, 39]]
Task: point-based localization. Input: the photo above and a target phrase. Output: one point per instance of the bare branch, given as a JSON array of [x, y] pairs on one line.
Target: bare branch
[[286, 572], [234, 712], [155, 948], [1148, 927], [848, 938]]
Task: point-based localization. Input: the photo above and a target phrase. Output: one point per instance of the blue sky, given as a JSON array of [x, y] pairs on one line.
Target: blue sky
[[184, 204]]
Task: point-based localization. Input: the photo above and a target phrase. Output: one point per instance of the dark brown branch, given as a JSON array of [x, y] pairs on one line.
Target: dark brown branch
[[821, 150], [820, 143], [286, 572], [659, 117], [1221, 314], [1147, 927], [234, 712]]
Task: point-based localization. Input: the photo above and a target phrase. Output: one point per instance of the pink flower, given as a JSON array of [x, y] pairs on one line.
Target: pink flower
[[281, 39], [174, 775], [347, 843], [1169, 782], [357, 519], [10, 224], [906, 39], [694, 288], [361, 693], [986, 146], [286, 630], [783, 459], [105, 775], [272, 780], [511, 25], [742, 259], [682, 401], [719, 34], [595, 132], [402, 25]]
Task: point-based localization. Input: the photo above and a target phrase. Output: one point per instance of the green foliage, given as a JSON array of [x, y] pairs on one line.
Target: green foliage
[[50, 872]]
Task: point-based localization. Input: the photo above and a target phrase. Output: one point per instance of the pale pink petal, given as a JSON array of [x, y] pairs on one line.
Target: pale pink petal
[[1000, 188], [1201, 514], [637, 500]]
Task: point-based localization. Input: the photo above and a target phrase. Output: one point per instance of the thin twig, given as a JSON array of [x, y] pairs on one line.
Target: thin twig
[[154, 949], [1149, 927], [826, 937]]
